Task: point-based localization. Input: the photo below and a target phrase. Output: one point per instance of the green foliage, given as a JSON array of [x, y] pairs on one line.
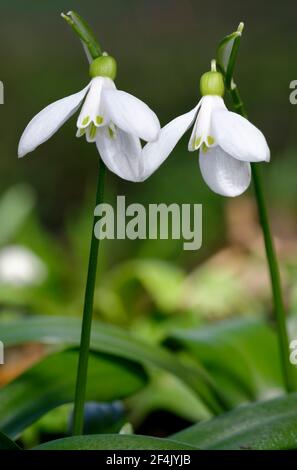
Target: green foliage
[[166, 392], [266, 425], [16, 205], [117, 295], [114, 442], [51, 383], [6, 443], [116, 341], [229, 350]]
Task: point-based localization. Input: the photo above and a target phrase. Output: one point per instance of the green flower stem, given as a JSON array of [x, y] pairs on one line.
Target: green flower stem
[[279, 307], [82, 371], [93, 51]]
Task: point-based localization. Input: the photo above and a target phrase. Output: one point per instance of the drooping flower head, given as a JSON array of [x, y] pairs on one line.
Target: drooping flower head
[[114, 119], [226, 141]]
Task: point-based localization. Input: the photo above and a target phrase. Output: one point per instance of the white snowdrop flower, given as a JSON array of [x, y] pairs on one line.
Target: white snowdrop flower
[[20, 266], [226, 141], [114, 119]]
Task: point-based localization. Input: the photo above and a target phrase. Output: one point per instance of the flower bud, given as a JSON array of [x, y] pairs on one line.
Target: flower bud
[[212, 83], [104, 66]]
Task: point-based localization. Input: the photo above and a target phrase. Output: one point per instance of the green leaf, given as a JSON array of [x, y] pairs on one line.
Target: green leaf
[[161, 280], [114, 442], [227, 53], [7, 444], [166, 392], [51, 383], [269, 425], [229, 350], [111, 340], [15, 206]]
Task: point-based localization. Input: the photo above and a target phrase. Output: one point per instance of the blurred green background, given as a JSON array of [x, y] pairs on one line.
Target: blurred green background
[[162, 48], [47, 198]]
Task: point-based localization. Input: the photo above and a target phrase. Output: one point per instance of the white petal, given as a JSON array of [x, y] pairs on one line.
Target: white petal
[[48, 121], [224, 174], [131, 115], [121, 153], [238, 137], [155, 153]]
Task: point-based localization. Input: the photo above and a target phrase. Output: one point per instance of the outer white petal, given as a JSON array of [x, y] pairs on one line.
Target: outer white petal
[[121, 153], [48, 121], [131, 115], [155, 153], [238, 137], [224, 174]]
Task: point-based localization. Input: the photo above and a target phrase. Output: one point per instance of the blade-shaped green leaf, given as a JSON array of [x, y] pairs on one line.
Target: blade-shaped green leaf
[[15, 206], [51, 383], [112, 340], [6, 443], [269, 425], [230, 351], [114, 442]]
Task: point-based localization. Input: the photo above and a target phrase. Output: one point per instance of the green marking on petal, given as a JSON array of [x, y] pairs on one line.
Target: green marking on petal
[[86, 120], [210, 140], [81, 132], [99, 120], [204, 147], [93, 131], [197, 142], [111, 132]]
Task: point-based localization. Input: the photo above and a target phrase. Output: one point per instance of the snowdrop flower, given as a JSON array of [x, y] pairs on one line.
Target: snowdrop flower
[[20, 266], [113, 119], [226, 141]]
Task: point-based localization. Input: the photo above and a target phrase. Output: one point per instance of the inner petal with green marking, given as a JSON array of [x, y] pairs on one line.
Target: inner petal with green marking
[[92, 115], [202, 135]]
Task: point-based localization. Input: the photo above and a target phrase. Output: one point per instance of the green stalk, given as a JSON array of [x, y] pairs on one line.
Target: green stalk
[[279, 308], [82, 371], [93, 50]]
